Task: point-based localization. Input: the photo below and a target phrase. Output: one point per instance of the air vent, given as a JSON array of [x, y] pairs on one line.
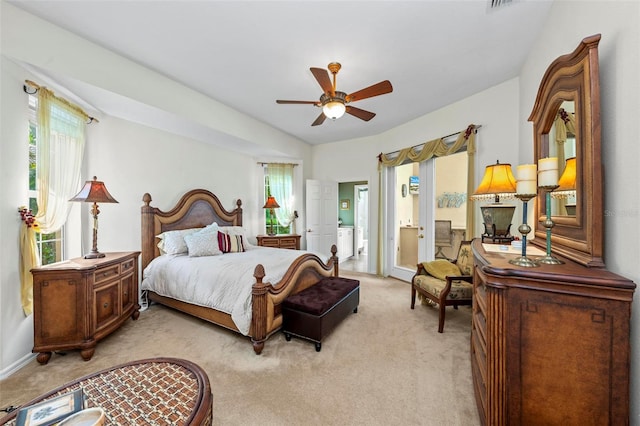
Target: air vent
[[497, 4]]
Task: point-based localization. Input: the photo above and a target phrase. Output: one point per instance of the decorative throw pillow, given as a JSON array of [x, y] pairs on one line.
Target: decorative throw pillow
[[230, 243], [237, 230], [203, 243], [440, 268], [172, 242]]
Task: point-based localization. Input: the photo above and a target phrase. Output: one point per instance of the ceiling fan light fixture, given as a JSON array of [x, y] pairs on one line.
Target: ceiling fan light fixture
[[334, 109]]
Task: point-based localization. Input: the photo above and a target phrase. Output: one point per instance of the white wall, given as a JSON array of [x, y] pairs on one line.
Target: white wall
[[619, 53]]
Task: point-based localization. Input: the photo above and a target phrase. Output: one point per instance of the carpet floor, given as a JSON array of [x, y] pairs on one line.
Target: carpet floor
[[385, 365]]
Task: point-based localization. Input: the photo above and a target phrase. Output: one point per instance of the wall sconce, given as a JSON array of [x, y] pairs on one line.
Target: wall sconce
[[94, 191], [498, 181], [271, 204]]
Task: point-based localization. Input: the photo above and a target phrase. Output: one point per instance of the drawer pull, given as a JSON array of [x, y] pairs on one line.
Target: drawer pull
[[105, 305]]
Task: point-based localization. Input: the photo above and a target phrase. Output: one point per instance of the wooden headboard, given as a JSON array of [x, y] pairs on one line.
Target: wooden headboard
[[196, 209]]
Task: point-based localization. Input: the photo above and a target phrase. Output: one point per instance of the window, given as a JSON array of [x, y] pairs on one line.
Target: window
[[49, 245], [278, 183], [272, 221]]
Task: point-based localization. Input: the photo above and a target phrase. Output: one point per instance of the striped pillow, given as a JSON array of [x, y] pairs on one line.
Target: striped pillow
[[230, 243]]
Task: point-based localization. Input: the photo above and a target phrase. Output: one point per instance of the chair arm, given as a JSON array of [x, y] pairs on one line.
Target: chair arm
[[467, 278]]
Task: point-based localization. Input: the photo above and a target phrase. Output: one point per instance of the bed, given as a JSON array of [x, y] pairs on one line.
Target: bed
[[200, 208]]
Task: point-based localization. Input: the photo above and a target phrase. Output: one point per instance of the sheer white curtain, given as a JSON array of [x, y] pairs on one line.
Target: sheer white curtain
[[60, 147], [281, 186]]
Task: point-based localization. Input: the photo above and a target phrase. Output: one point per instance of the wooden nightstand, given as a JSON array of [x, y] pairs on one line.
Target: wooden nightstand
[[285, 241], [78, 302]]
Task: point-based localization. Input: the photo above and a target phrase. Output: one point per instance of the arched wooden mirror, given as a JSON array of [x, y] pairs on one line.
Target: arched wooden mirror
[[566, 126]]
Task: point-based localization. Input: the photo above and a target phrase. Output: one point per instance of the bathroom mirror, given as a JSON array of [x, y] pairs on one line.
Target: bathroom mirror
[[568, 101]]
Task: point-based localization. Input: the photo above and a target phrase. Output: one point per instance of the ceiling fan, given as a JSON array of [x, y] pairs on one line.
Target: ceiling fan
[[335, 103]]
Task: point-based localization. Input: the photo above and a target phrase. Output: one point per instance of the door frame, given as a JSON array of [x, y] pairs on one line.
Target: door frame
[[426, 218]]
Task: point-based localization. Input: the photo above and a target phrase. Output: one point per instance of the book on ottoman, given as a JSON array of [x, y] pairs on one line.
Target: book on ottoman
[[52, 410]]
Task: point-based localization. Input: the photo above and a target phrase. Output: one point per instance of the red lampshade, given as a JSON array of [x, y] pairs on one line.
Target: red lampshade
[[94, 191], [271, 203]]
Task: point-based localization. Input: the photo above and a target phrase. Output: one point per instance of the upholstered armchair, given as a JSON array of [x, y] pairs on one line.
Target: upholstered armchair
[[445, 282]]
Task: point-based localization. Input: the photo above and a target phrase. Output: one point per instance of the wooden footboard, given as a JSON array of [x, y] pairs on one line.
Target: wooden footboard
[[198, 208], [267, 298]]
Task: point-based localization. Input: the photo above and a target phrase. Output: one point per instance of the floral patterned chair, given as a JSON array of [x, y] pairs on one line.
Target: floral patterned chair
[[445, 282]]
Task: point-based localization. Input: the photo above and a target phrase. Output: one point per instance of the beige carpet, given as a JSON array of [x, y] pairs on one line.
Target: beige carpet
[[385, 365]]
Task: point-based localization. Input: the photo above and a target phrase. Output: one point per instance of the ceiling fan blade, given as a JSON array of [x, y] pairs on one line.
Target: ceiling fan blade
[[371, 91], [280, 101], [323, 79], [360, 113], [319, 120]]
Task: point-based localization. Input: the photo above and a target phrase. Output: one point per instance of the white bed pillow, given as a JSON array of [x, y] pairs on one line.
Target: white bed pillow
[[203, 243], [172, 242]]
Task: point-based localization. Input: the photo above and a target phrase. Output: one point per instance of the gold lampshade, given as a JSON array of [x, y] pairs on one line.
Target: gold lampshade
[[567, 181], [498, 181], [271, 204], [94, 191]]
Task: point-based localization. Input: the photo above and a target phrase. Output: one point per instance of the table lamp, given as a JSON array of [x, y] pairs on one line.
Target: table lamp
[[567, 185], [498, 181], [271, 204], [94, 191]]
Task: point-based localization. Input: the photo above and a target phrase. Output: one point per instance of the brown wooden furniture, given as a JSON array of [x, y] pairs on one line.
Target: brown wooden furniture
[[572, 82], [78, 302], [549, 345], [198, 208], [283, 241], [166, 391], [451, 290], [313, 313]]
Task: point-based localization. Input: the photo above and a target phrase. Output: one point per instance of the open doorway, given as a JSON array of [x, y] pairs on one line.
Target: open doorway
[[353, 226]]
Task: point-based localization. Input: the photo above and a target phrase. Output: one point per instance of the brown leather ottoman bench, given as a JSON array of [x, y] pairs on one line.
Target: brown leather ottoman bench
[[314, 312]]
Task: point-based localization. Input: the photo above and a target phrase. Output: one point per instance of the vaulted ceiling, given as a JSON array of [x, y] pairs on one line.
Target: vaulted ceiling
[[247, 54]]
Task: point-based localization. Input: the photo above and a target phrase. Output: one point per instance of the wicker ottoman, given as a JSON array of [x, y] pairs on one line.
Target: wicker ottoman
[[156, 391], [314, 312]]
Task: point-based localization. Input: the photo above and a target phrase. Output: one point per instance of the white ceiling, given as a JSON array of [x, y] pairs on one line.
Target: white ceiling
[[247, 54]]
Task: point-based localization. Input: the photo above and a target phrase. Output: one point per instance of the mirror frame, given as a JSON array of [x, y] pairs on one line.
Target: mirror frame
[[573, 77]]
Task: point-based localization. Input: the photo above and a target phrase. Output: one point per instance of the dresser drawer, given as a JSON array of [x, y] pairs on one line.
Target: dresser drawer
[[106, 273]]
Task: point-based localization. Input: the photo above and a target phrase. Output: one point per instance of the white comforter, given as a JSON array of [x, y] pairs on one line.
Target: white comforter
[[221, 282]]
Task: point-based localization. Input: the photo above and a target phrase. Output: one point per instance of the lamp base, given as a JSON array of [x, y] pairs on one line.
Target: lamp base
[[524, 261], [549, 260], [94, 255]]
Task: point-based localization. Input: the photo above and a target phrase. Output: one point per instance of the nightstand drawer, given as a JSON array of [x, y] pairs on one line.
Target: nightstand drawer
[[283, 241], [105, 274], [288, 243]]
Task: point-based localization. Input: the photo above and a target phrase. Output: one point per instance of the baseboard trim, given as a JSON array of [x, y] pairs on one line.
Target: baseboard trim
[[4, 373]]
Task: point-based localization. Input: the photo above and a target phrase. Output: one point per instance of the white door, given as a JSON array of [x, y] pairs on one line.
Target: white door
[[322, 216], [419, 229]]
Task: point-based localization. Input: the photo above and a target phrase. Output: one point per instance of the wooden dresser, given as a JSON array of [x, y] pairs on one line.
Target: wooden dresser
[[550, 344], [78, 302], [284, 241]]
